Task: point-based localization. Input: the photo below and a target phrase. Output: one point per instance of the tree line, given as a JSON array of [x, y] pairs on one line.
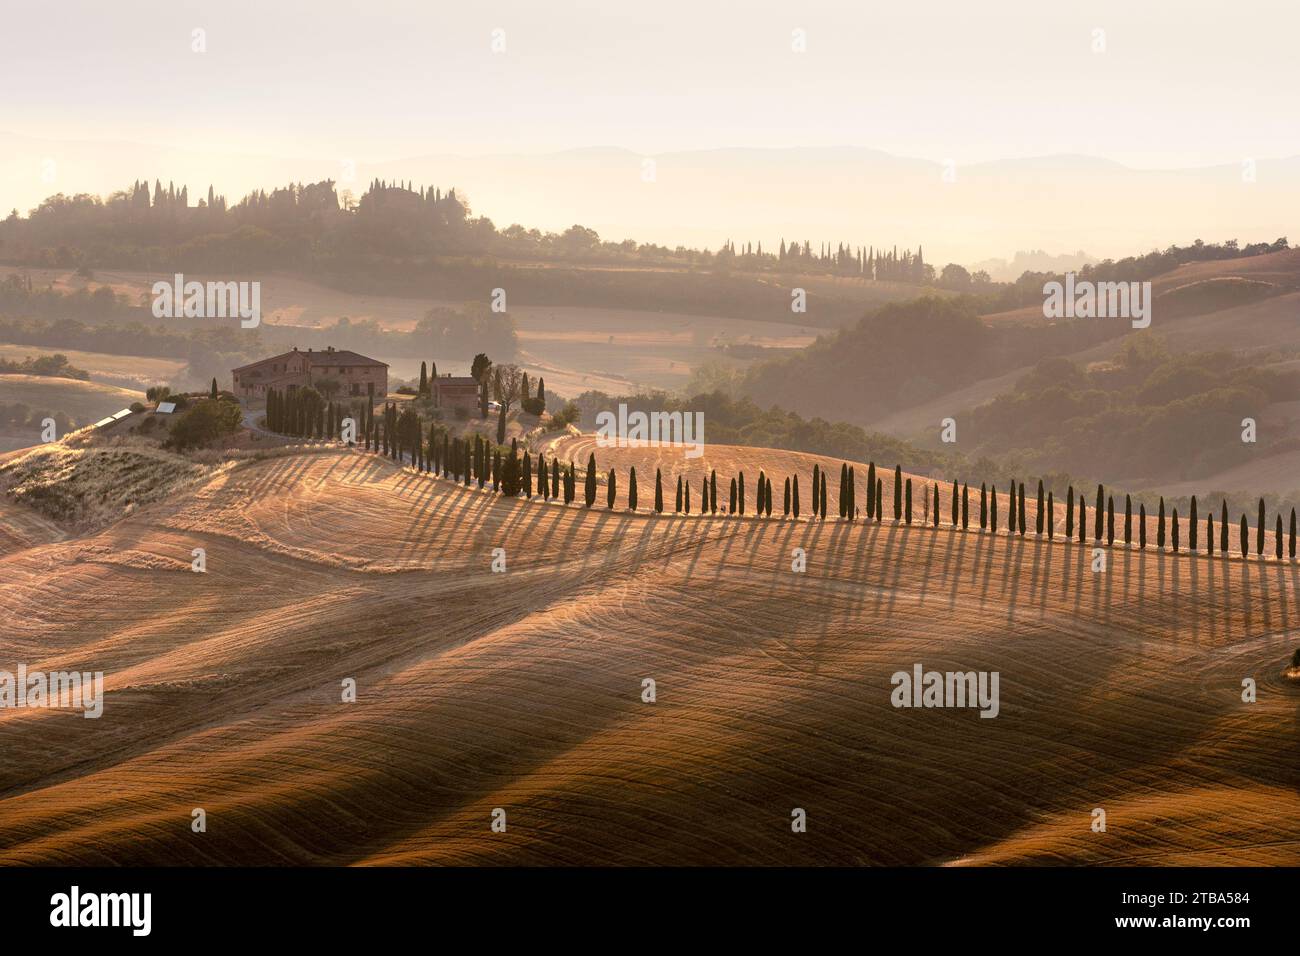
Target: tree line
[[513, 472]]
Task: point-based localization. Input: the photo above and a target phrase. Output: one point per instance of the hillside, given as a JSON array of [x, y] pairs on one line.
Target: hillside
[[906, 370], [523, 690], [26, 400]]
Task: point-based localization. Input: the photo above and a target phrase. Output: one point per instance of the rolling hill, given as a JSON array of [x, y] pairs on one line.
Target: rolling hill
[[523, 690]]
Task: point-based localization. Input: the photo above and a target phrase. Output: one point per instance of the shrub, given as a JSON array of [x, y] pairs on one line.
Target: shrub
[[533, 406], [206, 421], [137, 407], [566, 416]]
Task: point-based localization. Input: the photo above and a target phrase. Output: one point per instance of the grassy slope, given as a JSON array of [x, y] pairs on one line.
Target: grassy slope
[[522, 691], [86, 402]]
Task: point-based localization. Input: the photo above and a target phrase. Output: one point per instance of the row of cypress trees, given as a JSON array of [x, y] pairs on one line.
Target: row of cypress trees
[[303, 413], [474, 459]]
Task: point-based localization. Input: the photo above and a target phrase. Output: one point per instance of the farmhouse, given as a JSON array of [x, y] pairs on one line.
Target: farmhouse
[[354, 374], [455, 392]]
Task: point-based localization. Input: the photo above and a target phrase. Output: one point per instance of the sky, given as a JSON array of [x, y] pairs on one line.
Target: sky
[[1162, 85]]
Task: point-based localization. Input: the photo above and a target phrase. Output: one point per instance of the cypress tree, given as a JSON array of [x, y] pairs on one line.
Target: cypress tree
[[528, 477], [686, 496], [909, 501], [1011, 508], [555, 482], [1099, 516], [1223, 528], [1245, 537], [786, 500], [213, 393], [898, 492], [851, 505], [704, 495], [880, 500], [677, 506], [543, 476], [1128, 520], [496, 470], [821, 509], [844, 490], [1069, 513], [570, 484], [1277, 537], [956, 515], [1291, 541], [1020, 517], [611, 490], [1173, 537], [589, 485], [1083, 519], [993, 509], [1051, 517], [1209, 533], [984, 506], [659, 493], [1038, 522], [767, 498], [965, 507], [713, 491], [1110, 521], [794, 495], [1259, 531], [871, 489], [1191, 527], [731, 502], [1160, 526], [935, 486], [815, 485], [631, 489], [740, 493]]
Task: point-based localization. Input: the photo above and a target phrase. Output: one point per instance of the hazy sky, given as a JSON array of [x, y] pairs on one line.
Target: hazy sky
[[1181, 83]]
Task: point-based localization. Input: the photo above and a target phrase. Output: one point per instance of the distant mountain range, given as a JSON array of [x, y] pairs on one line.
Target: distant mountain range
[[967, 214]]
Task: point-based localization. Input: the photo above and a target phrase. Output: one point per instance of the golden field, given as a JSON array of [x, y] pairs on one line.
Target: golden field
[[522, 690]]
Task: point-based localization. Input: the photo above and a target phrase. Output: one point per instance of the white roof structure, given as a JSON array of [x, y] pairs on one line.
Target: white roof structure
[[166, 408]]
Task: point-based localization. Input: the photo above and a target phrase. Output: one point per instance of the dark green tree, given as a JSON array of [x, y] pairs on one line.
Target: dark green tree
[[589, 485], [1099, 515]]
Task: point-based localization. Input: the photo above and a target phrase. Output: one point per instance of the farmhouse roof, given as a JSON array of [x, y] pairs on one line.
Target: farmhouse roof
[[463, 380], [329, 356]]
